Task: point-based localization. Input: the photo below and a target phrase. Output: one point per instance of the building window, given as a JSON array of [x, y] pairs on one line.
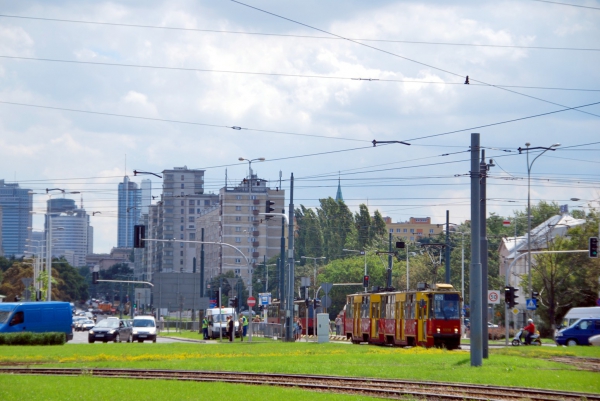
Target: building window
[[238, 261], [190, 219], [397, 230], [191, 210], [192, 202], [412, 238], [405, 230], [192, 236], [251, 218], [168, 177], [238, 229], [181, 228], [207, 202], [180, 236], [238, 208], [181, 219], [238, 197], [182, 203], [182, 194], [252, 196], [181, 262], [198, 211], [182, 211], [180, 253], [238, 218], [238, 239], [391, 230], [412, 230], [431, 231]]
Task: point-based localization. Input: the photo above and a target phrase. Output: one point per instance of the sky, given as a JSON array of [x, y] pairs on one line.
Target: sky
[[92, 90]]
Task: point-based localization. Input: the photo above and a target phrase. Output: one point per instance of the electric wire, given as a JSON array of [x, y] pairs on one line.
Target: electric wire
[[285, 75], [293, 36], [566, 4], [407, 58]]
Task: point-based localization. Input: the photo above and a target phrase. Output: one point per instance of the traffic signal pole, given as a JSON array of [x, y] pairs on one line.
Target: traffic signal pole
[[475, 273]]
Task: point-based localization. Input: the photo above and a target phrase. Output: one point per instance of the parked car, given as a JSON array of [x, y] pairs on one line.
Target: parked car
[[144, 328], [492, 325], [578, 333], [110, 329]]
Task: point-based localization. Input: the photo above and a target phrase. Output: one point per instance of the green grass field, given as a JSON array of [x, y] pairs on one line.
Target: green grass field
[[512, 366]]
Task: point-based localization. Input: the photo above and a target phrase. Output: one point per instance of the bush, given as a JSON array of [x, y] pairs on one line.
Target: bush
[[28, 338]]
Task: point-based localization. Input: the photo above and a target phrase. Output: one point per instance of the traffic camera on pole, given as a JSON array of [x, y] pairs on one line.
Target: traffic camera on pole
[[269, 209], [593, 248]]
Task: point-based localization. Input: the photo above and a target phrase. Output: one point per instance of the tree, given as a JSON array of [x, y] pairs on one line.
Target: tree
[[12, 285], [309, 237], [337, 224], [362, 222]]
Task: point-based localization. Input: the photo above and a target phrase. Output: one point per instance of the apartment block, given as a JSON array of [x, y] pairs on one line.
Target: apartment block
[[414, 229]]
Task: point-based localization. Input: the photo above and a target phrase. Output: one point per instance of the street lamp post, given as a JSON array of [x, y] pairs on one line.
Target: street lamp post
[[315, 277], [260, 159], [529, 166], [362, 253]]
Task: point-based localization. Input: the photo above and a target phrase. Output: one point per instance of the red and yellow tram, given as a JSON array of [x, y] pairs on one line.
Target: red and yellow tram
[[428, 317], [277, 315]]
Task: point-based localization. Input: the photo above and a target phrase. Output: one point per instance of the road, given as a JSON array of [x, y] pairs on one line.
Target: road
[[81, 337]]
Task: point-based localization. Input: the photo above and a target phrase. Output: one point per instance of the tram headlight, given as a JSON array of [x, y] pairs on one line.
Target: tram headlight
[[438, 330], [455, 330]]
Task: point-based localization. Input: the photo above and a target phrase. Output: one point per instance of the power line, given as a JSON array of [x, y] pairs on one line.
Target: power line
[[406, 58], [567, 4], [274, 74], [293, 36]]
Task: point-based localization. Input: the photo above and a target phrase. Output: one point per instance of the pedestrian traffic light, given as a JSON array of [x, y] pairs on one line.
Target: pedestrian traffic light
[[508, 296], [534, 294], [139, 235], [95, 277], [268, 208], [400, 244], [317, 303], [593, 247], [365, 281]]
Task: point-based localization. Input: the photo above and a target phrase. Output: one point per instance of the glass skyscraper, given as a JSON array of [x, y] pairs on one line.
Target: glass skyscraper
[[130, 208], [16, 204]]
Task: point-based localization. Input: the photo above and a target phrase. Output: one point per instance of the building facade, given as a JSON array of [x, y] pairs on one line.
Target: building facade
[[16, 206], [236, 220], [72, 235], [129, 211], [414, 229]]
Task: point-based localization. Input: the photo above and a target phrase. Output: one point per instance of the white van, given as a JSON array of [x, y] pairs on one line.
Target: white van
[[574, 314], [217, 320]]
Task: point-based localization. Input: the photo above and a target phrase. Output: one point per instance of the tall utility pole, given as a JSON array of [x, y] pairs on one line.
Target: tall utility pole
[[289, 335], [281, 261], [475, 274], [447, 249], [483, 169]]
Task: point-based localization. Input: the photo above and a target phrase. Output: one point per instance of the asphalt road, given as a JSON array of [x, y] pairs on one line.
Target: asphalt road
[[81, 337]]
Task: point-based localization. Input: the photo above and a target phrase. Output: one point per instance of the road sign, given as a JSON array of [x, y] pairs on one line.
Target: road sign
[[531, 304], [326, 287], [326, 301], [506, 223], [515, 311], [251, 302], [264, 298], [493, 297], [213, 303]]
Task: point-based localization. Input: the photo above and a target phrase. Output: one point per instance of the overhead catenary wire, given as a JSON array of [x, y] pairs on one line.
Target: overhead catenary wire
[[406, 58], [567, 4], [284, 75], [292, 35]]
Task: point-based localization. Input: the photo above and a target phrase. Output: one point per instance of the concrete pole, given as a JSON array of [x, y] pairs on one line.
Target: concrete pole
[[475, 273], [289, 318], [484, 253], [388, 281], [447, 247]]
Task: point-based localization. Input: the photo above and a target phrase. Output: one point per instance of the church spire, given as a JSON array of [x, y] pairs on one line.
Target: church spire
[[338, 195]]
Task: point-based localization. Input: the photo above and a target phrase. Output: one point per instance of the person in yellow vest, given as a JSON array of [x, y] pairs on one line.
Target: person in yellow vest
[[245, 325], [205, 328]]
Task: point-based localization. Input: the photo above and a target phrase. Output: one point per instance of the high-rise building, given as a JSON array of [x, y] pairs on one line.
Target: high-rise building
[[146, 193], [236, 220], [72, 235], [16, 204], [174, 218], [129, 211]]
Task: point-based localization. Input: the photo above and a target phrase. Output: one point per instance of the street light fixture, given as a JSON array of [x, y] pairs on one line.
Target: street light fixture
[[529, 166], [260, 159]]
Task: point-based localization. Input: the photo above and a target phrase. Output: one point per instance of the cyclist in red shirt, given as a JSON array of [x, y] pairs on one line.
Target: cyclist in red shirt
[[529, 331]]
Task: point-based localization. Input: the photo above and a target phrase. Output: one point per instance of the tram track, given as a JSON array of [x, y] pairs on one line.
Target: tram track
[[380, 388]]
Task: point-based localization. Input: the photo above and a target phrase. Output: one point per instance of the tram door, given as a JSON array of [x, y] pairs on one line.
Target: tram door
[[356, 319], [375, 316], [400, 299], [422, 308]]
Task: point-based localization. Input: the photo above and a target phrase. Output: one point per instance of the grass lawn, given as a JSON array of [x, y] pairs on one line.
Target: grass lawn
[[511, 366], [33, 388]]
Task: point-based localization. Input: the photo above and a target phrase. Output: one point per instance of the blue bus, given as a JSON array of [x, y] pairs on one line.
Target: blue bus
[[37, 317]]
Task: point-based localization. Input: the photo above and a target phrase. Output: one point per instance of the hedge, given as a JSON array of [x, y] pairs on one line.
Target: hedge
[[28, 338]]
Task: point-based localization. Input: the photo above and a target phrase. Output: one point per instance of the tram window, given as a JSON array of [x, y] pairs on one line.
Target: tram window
[[350, 309], [446, 306], [375, 310]]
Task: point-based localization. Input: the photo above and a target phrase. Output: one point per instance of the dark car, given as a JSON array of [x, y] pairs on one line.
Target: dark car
[[110, 329]]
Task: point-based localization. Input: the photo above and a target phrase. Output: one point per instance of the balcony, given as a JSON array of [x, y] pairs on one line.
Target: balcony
[[255, 212], [255, 244], [255, 254], [255, 233], [256, 202]]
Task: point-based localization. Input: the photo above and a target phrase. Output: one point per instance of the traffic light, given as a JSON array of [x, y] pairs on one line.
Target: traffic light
[[95, 277], [365, 281], [514, 297], [400, 244], [534, 294], [139, 235], [508, 296], [268, 208], [317, 303], [593, 247]]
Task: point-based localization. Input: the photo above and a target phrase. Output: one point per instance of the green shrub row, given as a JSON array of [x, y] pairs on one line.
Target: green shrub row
[[28, 338]]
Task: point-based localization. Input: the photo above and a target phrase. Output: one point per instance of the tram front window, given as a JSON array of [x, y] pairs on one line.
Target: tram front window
[[446, 306]]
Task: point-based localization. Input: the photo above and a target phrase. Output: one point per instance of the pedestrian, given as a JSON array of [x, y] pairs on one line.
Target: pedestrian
[[161, 323], [298, 329], [241, 329], [230, 328], [244, 324], [205, 328], [338, 325]]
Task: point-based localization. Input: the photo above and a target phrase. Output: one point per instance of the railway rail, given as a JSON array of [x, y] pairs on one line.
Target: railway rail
[[380, 388]]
